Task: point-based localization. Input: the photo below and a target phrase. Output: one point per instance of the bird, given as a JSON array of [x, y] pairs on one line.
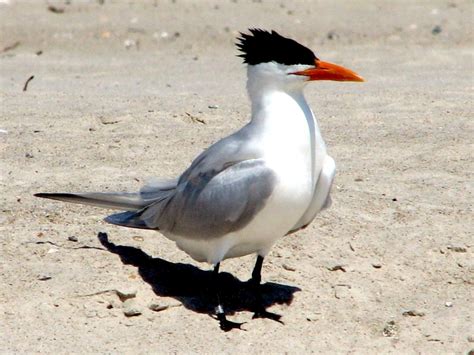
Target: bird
[[268, 179]]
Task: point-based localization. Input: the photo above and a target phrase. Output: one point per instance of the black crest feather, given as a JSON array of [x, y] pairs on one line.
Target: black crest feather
[[262, 47]]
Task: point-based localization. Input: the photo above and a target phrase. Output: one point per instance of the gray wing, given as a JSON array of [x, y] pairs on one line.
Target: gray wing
[[208, 203]]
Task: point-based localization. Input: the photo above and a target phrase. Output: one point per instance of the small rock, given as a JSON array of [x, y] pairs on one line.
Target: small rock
[[358, 179], [289, 267], [55, 9], [129, 43], [448, 304], [138, 238], [29, 155], [213, 106], [457, 249], [72, 238], [158, 307], [337, 268], [313, 317], [413, 313], [436, 30], [470, 338], [44, 277], [332, 35], [108, 120], [125, 294], [390, 329], [376, 265], [131, 309]]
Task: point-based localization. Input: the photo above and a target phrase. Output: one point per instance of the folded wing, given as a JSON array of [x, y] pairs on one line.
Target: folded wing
[[209, 203]]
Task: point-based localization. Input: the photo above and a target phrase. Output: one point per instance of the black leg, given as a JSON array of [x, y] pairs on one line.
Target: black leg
[[225, 324], [260, 311], [257, 271]]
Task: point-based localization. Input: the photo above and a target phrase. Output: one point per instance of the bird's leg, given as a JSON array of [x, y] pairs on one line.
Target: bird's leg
[[225, 324], [260, 311], [257, 271]]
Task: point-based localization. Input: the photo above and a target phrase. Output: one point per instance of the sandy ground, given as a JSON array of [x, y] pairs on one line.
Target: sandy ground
[[121, 93]]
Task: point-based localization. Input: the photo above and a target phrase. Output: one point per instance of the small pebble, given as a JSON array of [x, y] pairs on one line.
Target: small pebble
[[470, 338], [337, 268], [457, 249], [313, 317], [29, 155], [413, 313], [125, 294], [131, 309], [72, 238], [436, 30], [44, 277], [448, 304], [289, 267], [390, 329], [129, 43], [108, 120], [213, 106], [332, 35], [358, 179], [377, 265], [158, 307]]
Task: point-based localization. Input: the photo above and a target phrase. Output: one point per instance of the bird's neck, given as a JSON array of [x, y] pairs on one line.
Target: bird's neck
[[273, 103], [273, 94], [283, 113]]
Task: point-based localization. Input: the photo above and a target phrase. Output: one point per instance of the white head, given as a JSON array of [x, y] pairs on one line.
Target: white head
[[279, 63]]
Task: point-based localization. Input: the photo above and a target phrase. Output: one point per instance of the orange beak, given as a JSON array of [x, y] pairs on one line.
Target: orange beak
[[328, 71]]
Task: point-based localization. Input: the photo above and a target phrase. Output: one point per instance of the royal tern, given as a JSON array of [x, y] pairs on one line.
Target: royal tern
[[268, 179]]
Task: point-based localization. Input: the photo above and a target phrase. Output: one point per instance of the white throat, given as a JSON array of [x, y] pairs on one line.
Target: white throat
[[282, 116]]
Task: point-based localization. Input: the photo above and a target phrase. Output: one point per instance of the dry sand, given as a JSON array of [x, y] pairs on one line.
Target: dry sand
[[121, 92]]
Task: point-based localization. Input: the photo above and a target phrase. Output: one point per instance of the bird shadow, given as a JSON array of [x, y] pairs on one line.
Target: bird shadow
[[193, 287]]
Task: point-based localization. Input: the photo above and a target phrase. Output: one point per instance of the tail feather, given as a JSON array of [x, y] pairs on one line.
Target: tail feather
[[120, 201], [156, 190], [129, 219]]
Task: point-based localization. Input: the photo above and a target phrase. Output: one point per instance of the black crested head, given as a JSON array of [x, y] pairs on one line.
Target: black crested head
[[262, 47]]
